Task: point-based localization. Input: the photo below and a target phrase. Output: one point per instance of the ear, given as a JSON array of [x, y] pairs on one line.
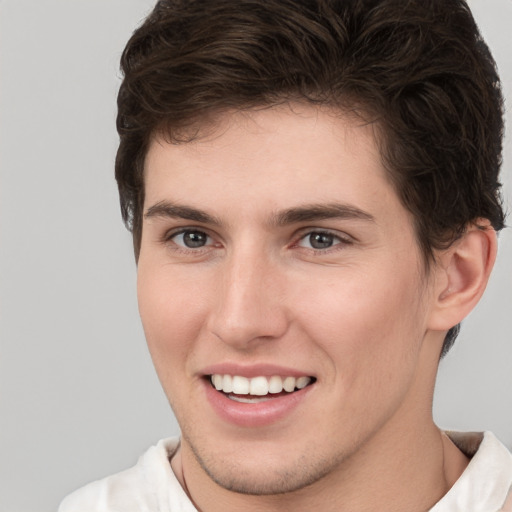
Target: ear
[[462, 272]]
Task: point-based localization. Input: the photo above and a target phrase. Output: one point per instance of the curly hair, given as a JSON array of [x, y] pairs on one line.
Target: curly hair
[[418, 69]]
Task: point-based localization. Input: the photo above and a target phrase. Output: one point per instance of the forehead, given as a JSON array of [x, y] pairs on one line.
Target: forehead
[[291, 148]]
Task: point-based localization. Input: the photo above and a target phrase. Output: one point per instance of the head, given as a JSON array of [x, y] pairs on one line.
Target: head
[[312, 187], [418, 71]]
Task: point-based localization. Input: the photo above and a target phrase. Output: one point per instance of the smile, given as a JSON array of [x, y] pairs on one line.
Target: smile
[[241, 389], [254, 401]]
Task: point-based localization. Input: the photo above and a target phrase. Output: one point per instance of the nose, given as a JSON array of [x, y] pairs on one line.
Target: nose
[[249, 305]]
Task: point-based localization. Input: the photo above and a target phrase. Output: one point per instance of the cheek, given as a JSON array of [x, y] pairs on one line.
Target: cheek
[[172, 311], [368, 327]]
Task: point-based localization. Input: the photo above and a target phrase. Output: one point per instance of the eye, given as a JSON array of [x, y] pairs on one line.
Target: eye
[[191, 239], [319, 240]]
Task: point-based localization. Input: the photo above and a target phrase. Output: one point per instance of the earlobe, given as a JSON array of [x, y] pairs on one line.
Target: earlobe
[[462, 274]]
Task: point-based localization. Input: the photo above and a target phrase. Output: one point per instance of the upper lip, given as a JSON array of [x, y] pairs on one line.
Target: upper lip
[[254, 370]]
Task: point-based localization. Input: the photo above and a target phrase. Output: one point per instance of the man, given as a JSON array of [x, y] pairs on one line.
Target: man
[[313, 192]]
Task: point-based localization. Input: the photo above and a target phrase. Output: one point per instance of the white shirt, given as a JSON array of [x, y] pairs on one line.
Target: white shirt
[[151, 486]]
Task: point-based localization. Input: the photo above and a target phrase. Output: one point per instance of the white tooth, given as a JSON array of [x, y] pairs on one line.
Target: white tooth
[[289, 384], [259, 386], [302, 382], [217, 381], [275, 384], [240, 385], [227, 384]]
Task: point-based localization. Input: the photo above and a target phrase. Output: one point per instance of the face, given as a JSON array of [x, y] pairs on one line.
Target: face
[[275, 252]]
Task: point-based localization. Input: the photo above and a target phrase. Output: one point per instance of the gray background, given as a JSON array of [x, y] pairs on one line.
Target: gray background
[[78, 395]]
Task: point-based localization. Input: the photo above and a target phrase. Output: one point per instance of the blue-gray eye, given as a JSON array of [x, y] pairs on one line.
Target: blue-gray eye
[[319, 240], [191, 239]]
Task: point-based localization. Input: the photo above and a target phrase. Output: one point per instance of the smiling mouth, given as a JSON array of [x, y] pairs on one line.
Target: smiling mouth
[[258, 389]]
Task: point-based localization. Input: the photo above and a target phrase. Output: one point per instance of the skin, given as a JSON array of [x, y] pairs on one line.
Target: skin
[[362, 316]]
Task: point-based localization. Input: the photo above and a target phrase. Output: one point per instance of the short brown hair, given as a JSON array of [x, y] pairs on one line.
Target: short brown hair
[[418, 68]]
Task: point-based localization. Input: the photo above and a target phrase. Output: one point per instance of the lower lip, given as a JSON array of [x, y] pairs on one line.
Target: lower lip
[[254, 415]]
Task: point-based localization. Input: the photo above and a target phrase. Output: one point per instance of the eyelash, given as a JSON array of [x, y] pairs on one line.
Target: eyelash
[[342, 241], [169, 237]]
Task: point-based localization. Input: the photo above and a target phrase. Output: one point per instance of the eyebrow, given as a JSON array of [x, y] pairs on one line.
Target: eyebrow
[[167, 209], [314, 212], [305, 213]]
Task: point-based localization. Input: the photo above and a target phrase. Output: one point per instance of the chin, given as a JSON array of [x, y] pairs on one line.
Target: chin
[[261, 475]]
